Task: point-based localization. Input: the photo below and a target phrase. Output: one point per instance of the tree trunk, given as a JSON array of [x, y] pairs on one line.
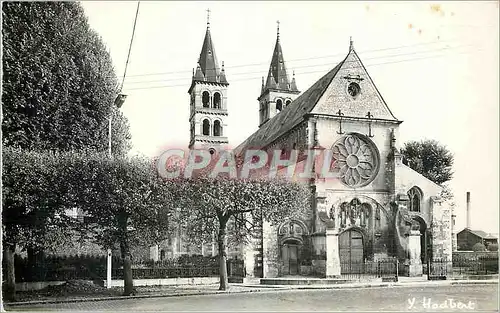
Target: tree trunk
[[10, 276], [128, 281], [222, 258]]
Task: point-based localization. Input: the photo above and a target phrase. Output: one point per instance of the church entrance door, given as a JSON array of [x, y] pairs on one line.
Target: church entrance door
[[290, 252], [351, 251]]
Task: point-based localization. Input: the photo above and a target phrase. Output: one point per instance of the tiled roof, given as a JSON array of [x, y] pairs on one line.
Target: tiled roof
[[277, 78], [291, 116], [208, 59], [481, 234]]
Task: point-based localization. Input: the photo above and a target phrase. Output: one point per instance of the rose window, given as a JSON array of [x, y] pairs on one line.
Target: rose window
[[355, 160]]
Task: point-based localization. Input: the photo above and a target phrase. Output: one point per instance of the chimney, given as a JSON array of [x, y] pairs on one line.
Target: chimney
[[468, 210]]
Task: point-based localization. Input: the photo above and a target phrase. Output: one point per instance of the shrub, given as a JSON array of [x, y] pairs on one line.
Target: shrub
[[493, 247], [478, 247]]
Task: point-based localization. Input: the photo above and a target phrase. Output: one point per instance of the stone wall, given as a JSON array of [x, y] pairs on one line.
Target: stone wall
[[441, 229], [270, 247]]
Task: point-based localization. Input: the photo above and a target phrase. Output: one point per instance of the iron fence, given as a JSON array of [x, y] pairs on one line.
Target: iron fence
[[235, 268], [480, 265], [173, 272], [385, 269]]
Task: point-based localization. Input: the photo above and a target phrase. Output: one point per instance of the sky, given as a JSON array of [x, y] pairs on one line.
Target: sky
[[435, 64]]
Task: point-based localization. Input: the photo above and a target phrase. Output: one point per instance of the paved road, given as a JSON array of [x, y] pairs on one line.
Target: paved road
[[417, 299]]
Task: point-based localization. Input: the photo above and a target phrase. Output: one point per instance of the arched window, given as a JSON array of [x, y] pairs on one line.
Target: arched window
[[415, 197], [206, 127], [217, 128], [162, 255], [288, 102], [205, 99], [216, 101], [279, 105]]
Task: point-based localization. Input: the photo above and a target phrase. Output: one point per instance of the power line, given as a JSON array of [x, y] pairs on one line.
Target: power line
[[310, 72], [311, 65], [130, 46], [302, 59]]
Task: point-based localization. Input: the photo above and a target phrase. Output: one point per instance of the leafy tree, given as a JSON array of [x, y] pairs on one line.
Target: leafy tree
[[33, 203], [58, 83], [232, 208], [429, 158], [58, 90], [126, 202]]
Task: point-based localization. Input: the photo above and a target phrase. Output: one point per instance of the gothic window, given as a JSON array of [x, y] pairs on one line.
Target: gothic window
[[205, 99], [279, 105], [206, 127], [288, 102], [415, 196], [162, 255], [217, 128], [217, 102], [355, 159]]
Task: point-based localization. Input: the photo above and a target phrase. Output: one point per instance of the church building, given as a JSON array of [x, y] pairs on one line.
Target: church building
[[377, 209]]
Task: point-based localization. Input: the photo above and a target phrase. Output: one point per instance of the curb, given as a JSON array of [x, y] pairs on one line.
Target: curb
[[269, 288], [203, 293]]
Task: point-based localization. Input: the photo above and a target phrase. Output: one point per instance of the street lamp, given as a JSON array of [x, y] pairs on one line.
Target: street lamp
[[119, 100]]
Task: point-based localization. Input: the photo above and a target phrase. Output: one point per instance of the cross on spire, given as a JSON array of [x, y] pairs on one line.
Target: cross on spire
[[208, 18]]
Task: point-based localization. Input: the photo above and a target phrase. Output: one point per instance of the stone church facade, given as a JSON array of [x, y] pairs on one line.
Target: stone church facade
[[378, 208]]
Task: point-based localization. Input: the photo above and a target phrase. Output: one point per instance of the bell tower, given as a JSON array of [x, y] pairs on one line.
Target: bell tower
[[278, 91], [208, 100]]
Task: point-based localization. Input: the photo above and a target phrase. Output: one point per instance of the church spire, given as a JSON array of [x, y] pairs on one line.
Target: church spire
[[208, 64], [277, 77], [351, 44]]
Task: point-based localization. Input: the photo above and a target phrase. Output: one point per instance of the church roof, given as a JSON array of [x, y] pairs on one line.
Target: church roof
[[291, 115], [208, 69], [277, 78], [307, 103], [208, 59]]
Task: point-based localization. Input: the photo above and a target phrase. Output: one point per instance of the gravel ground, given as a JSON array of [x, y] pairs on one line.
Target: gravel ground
[[85, 289]]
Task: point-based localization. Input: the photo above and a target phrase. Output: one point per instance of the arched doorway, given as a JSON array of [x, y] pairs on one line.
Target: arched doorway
[[292, 236], [351, 251], [290, 252]]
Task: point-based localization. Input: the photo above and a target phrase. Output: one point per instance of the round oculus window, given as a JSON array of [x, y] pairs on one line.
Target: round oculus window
[[353, 89], [355, 160]]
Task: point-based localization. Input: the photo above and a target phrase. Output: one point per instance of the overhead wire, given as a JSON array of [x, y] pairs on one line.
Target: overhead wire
[[307, 66], [303, 59], [130, 46], [309, 72]]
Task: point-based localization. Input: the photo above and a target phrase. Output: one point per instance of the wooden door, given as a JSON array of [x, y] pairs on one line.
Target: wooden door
[[351, 251]]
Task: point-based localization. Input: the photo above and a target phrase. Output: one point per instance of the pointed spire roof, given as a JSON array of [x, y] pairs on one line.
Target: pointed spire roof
[[208, 59], [199, 74], [222, 77], [278, 77], [293, 85], [208, 69]]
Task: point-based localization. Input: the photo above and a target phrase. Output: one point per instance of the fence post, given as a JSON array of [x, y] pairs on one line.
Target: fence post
[[397, 269], [108, 276], [429, 270]]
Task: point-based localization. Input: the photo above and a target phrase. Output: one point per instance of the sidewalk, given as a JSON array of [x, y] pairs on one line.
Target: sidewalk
[[178, 291]]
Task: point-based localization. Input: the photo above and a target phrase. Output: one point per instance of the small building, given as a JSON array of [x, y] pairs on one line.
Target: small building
[[467, 238]]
